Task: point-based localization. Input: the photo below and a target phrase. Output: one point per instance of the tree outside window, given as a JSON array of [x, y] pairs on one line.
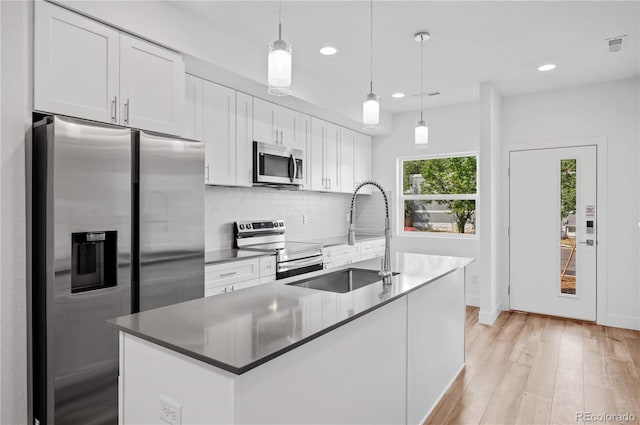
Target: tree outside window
[[439, 194]]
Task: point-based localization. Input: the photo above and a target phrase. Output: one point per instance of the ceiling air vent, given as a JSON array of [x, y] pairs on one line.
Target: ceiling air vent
[[617, 43], [433, 93]]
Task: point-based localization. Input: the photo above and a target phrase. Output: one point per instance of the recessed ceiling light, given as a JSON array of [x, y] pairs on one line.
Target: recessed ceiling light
[[328, 50], [397, 95], [546, 67]]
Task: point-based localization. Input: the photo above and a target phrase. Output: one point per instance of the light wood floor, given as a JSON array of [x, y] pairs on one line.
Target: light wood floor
[[530, 369]]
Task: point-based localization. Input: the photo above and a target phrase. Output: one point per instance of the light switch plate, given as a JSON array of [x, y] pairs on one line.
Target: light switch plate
[[170, 411], [305, 218]]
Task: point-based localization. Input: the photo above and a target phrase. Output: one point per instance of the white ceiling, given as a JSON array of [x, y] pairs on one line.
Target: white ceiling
[[502, 42]]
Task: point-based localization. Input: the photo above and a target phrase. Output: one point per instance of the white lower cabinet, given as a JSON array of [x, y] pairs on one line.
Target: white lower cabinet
[[342, 255], [235, 275]]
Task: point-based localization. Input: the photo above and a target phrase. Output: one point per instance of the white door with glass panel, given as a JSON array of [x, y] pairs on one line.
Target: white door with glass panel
[[553, 231]]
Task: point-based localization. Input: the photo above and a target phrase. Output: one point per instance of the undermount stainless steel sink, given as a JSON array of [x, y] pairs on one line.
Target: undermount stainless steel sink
[[341, 281]]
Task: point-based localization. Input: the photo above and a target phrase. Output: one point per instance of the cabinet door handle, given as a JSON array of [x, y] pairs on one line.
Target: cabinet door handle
[[114, 106], [276, 139], [126, 112], [227, 274], [207, 176], [281, 137]]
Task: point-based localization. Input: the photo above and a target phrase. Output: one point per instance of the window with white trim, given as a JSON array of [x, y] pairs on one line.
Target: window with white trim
[[439, 195]]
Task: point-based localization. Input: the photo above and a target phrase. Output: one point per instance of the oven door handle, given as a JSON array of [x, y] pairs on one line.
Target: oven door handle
[[297, 264]]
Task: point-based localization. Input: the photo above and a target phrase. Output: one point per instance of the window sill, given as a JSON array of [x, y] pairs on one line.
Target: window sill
[[438, 235]]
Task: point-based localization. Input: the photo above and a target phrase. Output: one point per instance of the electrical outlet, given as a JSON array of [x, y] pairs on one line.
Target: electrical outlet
[[170, 411], [474, 279], [305, 218]]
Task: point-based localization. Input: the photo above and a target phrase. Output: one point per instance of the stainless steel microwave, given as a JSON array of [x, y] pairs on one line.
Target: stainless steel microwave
[[277, 165]]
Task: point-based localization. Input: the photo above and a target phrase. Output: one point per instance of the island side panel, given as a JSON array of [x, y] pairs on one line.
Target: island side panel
[[151, 373], [355, 374], [436, 316]]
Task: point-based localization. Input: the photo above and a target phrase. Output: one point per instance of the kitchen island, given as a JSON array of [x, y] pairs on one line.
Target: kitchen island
[[278, 353]]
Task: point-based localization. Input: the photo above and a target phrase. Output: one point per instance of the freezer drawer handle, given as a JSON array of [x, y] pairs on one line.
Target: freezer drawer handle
[[227, 274]]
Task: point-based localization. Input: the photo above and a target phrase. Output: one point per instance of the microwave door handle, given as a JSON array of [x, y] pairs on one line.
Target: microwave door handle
[[295, 167], [292, 167]]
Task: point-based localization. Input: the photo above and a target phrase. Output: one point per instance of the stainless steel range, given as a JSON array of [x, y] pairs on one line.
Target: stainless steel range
[[292, 258]]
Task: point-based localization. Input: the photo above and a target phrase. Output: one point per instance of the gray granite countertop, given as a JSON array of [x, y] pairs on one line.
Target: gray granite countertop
[[224, 255], [241, 330]]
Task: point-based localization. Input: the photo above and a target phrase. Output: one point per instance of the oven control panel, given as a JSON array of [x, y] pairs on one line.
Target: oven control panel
[[259, 226]]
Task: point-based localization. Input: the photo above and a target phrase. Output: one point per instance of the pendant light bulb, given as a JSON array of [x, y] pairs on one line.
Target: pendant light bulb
[[371, 105], [421, 137], [371, 110], [279, 63], [422, 134]]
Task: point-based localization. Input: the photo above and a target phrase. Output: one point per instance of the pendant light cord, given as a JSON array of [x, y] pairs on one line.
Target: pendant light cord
[[421, 74], [280, 20], [371, 48]]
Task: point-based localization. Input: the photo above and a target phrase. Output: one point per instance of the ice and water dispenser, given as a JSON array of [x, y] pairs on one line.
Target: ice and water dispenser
[[94, 260]]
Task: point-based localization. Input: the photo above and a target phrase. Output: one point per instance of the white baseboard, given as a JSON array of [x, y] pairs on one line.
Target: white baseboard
[[442, 395], [621, 321], [472, 300], [489, 318]]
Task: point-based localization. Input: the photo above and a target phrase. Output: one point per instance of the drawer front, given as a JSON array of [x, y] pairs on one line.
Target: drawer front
[[337, 263], [367, 248], [337, 252], [219, 290], [229, 273], [267, 267]]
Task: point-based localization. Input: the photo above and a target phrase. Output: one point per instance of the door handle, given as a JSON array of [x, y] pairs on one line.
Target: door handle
[[588, 242], [114, 109], [126, 112]]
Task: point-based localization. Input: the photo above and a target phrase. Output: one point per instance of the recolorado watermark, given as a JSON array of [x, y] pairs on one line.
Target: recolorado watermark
[[605, 417]]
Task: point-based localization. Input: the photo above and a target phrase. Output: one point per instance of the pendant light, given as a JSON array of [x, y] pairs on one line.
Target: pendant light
[[279, 65], [422, 130], [371, 105]]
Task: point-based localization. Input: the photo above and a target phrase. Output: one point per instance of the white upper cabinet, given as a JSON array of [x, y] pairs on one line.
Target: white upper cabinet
[[347, 143], [274, 124], [303, 141], [325, 156], [193, 108], [362, 161], [263, 129], [151, 86], [76, 65], [315, 165], [244, 139], [85, 69], [219, 133]]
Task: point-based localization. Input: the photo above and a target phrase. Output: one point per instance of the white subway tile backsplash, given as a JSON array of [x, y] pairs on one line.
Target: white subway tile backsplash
[[327, 212]]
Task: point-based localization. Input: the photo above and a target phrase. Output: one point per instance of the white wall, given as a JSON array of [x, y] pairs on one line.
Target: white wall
[[15, 120], [490, 209], [610, 110], [451, 129]]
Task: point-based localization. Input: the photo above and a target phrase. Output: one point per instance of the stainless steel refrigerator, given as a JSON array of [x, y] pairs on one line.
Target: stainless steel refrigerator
[[117, 228]]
